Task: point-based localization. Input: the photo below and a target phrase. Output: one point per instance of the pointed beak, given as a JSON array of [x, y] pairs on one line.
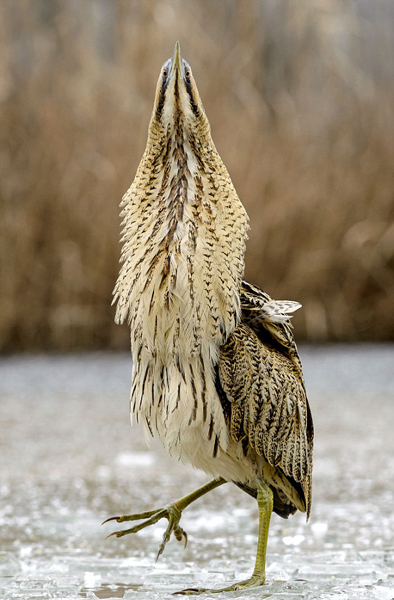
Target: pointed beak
[[176, 58]]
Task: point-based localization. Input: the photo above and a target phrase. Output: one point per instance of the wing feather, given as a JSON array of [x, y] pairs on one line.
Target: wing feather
[[261, 375]]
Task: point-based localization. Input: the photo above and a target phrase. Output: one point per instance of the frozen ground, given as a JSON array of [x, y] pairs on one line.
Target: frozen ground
[[69, 459]]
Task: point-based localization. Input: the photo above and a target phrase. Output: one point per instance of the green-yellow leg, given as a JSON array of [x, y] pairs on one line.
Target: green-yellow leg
[[172, 512], [265, 504]]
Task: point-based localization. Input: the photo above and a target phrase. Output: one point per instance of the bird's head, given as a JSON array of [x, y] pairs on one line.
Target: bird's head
[[177, 102]]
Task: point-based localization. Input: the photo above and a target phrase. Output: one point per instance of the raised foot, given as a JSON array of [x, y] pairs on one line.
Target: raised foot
[[172, 513], [254, 581]]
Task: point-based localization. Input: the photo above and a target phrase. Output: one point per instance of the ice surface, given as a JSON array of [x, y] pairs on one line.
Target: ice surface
[[69, 460]]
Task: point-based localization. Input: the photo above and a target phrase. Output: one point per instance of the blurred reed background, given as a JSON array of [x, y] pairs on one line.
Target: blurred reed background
[[300, 96]]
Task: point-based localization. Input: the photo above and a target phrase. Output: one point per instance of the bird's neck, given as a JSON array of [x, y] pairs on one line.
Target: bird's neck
[[183, 254]]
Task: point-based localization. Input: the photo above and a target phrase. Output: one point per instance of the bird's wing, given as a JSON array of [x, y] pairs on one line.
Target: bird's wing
[[261, 376], [270, 320]]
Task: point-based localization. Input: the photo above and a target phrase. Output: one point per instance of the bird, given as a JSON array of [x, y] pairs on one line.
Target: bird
[[216, 374]]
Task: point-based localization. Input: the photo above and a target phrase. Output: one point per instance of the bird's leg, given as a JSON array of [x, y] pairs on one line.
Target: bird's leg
[[265, 504], [172, 512]]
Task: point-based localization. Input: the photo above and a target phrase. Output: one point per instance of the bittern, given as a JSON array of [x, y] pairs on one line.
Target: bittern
[[216, 373]]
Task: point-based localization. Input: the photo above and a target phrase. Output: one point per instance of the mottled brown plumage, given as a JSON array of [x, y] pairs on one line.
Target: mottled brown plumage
[[216, 373], [261, 376]]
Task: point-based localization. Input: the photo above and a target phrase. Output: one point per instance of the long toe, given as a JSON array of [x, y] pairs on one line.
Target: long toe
[[134, 517], [252, 582]]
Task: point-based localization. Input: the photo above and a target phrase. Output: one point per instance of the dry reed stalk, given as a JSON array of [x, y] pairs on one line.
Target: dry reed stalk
[[304, 125]]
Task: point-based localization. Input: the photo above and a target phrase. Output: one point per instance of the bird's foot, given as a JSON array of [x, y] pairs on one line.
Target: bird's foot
[[254, 581], [172, 513]]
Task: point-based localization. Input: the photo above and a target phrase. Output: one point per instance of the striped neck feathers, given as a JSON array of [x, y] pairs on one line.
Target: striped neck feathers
[[184, 232]]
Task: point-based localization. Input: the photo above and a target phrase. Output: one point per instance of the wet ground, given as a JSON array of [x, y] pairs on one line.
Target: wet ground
[[69, 459]]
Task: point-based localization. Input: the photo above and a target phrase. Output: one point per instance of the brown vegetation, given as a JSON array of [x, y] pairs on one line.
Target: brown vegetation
[[300, 99]]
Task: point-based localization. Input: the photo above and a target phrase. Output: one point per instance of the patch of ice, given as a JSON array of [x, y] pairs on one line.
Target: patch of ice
[[293, 540], [135, 561], [383, 593], [91, 579], [9, 564], [135, 459], [211, 522], [319, 529]]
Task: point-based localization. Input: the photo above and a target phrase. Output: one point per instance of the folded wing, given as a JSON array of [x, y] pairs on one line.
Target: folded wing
[[261, 376]]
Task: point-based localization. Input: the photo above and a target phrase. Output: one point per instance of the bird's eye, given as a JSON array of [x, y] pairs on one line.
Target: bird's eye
[[187, 73], [165, 73]]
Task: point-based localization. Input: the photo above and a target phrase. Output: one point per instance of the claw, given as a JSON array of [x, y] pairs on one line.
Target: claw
[[111, 519], [160, 552], [113, 534], [191, 592]]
